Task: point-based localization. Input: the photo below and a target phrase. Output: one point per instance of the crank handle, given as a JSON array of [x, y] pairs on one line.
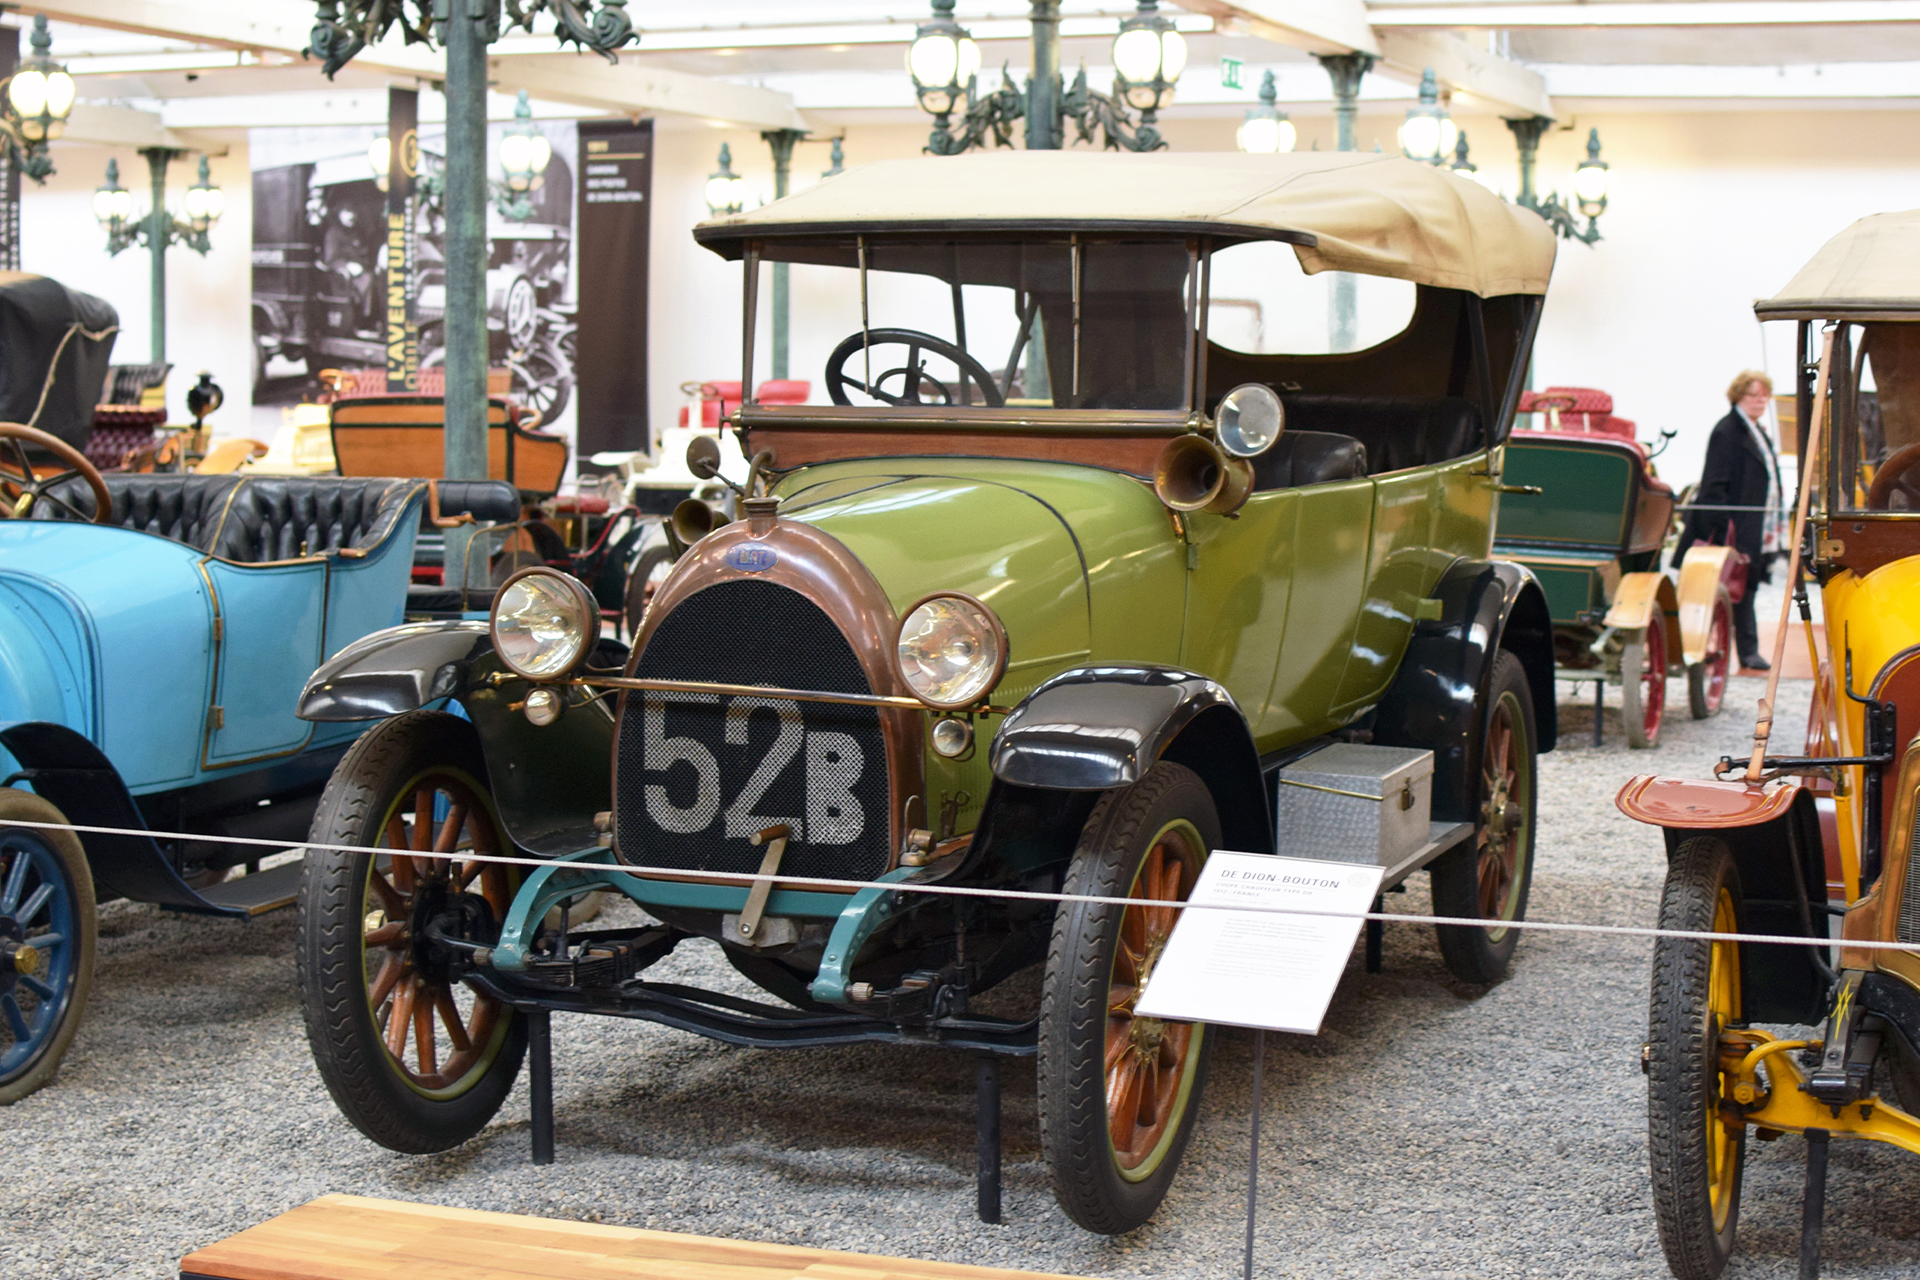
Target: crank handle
[[1516, 488]]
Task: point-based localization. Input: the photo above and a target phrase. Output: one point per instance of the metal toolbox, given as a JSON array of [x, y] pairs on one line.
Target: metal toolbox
[[1354, 803]]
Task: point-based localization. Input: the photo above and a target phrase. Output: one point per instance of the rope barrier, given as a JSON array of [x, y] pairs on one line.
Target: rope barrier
[[969, 891]]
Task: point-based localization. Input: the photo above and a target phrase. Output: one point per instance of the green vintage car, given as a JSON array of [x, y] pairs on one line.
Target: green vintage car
[[1096, 541]]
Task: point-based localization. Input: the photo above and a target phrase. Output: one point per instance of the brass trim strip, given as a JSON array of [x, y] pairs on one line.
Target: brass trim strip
[[970, 418], [645, 685]]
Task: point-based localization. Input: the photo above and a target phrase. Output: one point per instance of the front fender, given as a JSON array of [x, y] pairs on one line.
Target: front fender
[[547, 781], [1436, 697], [1639, 600], [394, 671], [1098, 728]]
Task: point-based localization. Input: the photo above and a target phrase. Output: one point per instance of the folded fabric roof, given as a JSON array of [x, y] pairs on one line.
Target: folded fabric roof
[[1870, 271], [1374, 214]]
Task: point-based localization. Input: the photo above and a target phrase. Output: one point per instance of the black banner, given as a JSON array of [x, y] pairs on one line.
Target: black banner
[[616, 164], [403, 167]]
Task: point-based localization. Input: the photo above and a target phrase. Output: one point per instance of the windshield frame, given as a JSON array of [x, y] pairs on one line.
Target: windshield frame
[[1193, 358]]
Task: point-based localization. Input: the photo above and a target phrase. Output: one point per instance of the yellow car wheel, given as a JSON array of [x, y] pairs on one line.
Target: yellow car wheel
[[1695, 1152]]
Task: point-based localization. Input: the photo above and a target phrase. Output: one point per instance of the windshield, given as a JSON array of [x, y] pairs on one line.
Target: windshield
[[1066, 322], [1875, 415]]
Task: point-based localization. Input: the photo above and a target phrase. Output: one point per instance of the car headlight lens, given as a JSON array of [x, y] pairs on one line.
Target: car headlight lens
[[544, 623], [951, 650], [1250, 418]]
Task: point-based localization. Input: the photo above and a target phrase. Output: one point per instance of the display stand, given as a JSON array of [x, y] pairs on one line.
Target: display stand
[[357, 1238]]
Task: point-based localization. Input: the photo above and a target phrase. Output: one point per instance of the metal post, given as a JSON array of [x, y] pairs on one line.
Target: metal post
[[986, 1119], [1253, 1152], [466, 206], [1526, 134], [9, 171], [158, 226], [781, 141], [1346, 71], [1376, 935], [1045, 123], [1599, 709], [540, 1082], [1813, 1209]]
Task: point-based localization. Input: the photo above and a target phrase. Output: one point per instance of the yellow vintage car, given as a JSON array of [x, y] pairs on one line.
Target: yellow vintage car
[[1778, 844]]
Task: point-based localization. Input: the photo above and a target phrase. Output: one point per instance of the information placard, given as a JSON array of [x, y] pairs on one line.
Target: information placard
[[1264, 966]]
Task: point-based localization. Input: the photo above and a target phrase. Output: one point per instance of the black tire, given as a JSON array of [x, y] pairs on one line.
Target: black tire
[[47, 933], [649, 571], [1695, 1159], [1489, 876], [1151, 836], [349, 911]]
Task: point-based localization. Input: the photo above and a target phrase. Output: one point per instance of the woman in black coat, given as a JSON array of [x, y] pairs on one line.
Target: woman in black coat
[[1740, 481]]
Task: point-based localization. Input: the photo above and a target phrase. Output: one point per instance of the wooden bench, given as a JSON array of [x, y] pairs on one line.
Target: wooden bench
[[403, 436], [357, 1238]]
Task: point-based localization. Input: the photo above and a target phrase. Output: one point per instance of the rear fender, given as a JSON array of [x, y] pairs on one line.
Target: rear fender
[[76, 777], [548, 781], [1436, 697], [1095, 729], [1774, 836], [1704, 573], [1640, 601]]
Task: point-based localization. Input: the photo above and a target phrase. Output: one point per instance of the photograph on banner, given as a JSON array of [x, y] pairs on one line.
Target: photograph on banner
[[1262, 967], [320, 249]]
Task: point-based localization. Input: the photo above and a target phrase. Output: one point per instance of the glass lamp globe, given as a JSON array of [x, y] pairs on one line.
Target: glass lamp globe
[[942, 60], [205, 202], [1148, 57], [40, 91], [112, 203], [1266, 130], [1591, 179], [1427, 134]]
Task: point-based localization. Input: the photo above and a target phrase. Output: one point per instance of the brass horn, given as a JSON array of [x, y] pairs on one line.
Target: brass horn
[[691, 521], [1194, 474]]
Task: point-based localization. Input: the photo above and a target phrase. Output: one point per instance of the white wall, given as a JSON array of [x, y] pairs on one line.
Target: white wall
[[1710, 210]]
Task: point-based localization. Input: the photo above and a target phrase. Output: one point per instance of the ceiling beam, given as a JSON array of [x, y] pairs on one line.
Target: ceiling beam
[[1680, 13], [121, 127], [1346, 26], [284, 26], [634, 88]]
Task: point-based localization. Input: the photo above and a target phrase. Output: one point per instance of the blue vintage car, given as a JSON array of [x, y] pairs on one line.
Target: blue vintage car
[[155, 633]]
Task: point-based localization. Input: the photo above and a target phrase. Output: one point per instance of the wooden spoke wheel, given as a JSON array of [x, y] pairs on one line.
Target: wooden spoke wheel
[[415, 1058], [649, 571], [1119, 1091], [46, 943], [1707, 678], [22, 489], [1643, 686], [1694, 1151], [1489, 876]]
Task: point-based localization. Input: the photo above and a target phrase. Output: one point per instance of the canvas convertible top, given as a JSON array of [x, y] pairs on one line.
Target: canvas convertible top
[[35, 316], [1374, 214], [1870, 271]]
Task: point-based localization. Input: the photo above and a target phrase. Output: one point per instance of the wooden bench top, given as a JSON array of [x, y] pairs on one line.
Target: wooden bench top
[[357, 1238]]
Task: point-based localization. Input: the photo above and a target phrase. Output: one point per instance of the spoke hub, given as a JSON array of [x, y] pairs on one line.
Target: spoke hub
[[439, 912]]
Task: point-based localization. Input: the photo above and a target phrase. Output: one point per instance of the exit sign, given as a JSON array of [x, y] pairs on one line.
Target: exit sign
[[1230, 73]]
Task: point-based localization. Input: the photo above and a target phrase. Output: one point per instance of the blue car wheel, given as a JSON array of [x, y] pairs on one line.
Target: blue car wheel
[[46, 942]]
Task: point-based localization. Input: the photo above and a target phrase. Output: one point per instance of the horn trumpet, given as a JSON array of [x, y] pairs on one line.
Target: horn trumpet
[[1195, 474], [691, 521]]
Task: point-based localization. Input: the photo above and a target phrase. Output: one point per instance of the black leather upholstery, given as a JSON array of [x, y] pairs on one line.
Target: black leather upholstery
[[249, 519], [486, 500], [1309, 457], [1398, 431]]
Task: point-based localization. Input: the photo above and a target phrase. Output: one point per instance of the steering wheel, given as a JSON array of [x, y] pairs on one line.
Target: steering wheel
[[20, 491], [1891, 478], [912, 375]]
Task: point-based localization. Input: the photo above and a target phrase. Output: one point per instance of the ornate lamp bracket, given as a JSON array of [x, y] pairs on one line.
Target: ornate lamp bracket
[[342, 28]]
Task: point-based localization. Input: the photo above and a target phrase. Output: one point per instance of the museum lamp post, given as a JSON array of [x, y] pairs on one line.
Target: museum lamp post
[[37, 101], [1266, 130], [524, 153], [158, 229], [1428, 133], [726, 190], [1590, 182], [1149, 54], [464, 29]]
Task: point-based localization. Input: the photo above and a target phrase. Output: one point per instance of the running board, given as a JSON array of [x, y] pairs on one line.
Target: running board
[[255, 894]]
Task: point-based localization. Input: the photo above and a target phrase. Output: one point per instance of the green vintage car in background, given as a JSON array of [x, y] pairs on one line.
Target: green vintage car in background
[[1102, 549]]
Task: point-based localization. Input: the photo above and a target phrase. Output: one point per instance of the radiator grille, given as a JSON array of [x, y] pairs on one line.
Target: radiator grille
[[1910, 899], [699, 774]]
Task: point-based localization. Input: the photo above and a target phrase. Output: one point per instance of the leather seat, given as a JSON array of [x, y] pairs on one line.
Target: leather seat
[[1301, 458], [249, 519], [1398, 431]]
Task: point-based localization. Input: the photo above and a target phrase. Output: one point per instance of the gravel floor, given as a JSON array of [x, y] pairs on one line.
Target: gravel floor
[[1430, 1130]]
